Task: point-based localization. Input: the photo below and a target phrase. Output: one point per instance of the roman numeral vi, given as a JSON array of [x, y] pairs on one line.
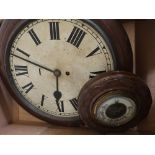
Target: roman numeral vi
[[60, 106]]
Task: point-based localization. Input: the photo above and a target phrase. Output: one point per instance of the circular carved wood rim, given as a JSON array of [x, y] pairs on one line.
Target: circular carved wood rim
[[113, 82]]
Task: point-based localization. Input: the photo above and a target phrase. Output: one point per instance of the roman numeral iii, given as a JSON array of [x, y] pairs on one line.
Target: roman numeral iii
[[34, 37], [21, 70], [76, 36], [54, 30], [93, 74]]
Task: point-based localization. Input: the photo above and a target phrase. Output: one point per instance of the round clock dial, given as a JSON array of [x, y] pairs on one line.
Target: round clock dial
[[48, 61]]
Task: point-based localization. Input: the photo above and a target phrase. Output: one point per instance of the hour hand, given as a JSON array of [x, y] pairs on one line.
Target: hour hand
[[60, 104], [57, 95]]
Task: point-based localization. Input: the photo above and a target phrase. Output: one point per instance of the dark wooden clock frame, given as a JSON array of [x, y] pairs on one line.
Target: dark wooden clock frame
[[112, 32]]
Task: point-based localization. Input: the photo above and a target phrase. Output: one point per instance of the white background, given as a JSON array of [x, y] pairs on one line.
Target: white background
[[127, 9], [77, 145]]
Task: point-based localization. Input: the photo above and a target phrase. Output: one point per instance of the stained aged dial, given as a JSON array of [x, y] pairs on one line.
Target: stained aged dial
[[48, 61]]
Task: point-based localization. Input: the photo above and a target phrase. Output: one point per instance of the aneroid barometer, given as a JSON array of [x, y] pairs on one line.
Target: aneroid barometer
[[114, 101]]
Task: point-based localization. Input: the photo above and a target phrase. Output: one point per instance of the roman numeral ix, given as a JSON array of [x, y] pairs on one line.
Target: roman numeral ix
[[21, 70], [76, 36]]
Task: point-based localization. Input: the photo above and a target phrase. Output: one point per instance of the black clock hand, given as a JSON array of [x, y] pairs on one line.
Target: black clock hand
[[34, 63], [57, 94]]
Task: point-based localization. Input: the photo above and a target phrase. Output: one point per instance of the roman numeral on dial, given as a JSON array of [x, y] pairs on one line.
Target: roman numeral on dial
[[74, 103], [93, 74], [21, 51], [94, 52], [28, 87], [39, 71], [34, 37], [54, 30], [21, 70], [60, 106], [76, 36], [42, 100]]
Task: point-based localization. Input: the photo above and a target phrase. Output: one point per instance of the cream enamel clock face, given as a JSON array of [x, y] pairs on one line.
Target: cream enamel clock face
[[50, 60]]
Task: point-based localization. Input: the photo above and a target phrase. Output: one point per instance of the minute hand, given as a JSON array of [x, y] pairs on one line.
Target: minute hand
[[34, 63]]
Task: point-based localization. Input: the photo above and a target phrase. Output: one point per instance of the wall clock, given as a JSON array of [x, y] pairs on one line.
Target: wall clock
[[44, 63]]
